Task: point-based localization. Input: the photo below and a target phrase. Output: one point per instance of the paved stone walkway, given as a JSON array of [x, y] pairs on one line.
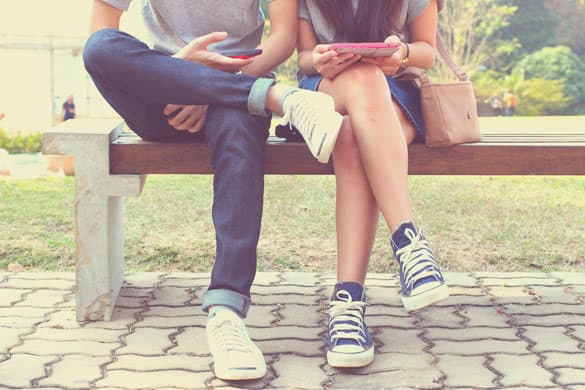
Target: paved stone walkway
[[497, 330]]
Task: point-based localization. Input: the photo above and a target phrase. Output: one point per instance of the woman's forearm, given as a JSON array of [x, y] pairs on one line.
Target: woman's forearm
[[305, 63], [422, 55]]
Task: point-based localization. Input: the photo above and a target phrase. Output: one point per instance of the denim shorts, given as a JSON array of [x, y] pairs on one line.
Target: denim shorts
[[403, 92]]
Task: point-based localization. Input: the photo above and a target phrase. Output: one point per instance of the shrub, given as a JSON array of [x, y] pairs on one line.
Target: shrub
[[28, 143]]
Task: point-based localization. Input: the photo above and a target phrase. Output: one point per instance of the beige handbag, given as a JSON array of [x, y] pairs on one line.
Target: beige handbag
[[449, 109]]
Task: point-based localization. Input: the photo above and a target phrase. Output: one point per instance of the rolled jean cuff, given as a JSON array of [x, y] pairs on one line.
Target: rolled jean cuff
[[258, 95], [222, 297]]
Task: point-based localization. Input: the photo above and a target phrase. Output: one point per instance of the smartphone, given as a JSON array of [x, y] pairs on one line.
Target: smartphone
[[372, 49], [242, 54]]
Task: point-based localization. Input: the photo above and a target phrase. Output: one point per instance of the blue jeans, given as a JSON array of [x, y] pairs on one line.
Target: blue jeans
[[139, 82]]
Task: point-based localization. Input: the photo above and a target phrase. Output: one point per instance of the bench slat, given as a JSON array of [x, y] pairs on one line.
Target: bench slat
[[495, 155]]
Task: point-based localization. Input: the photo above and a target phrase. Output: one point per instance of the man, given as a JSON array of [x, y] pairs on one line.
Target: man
[[183, 89], [68, 110]]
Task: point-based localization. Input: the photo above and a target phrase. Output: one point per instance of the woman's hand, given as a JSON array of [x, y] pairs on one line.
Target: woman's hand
[[329, 64], [186, 118], [388, 65]]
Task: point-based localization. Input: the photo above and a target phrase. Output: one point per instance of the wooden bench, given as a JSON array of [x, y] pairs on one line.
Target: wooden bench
[[110, 165]]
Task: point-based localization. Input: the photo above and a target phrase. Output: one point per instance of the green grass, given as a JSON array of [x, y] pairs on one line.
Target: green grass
[[473, 223]]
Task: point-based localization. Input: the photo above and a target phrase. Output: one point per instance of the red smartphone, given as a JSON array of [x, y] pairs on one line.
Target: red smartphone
[[242, 54], [372, 49]]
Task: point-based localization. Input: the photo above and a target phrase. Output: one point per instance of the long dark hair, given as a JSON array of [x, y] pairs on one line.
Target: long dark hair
[[374, 21]]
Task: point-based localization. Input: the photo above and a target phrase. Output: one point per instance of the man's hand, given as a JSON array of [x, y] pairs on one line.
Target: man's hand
[[196, 51], [187, 118], [388, 65], [329, 64]]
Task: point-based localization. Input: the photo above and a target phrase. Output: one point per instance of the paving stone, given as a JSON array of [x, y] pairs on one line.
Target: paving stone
[[299, 315], [460, 279], [266, 278], [471, 348], [552, 291], [191, 341], [165, 362], [271, 290], [484, 316], [579, 331], [49, 284], [299, 278], [508, 292], [142, 279], [155, 379], [65, 319], [288, 368], [548, 320], [521, 371], [51, 347], [69, 276], [465, 291], [147, 341], [389, 321], [551, 339], [570, 376], [43, 298], [529, 300], [281, 299], [19, 322], [382, 295], [567, 299], [131, 302], [400, 340], [20, 370], [561, 359], [85, 334], [427, 378], [172, 311], [9, 296], [286, 332], [136, 292], [511, 275], [387, 310], [172, 322], [545, 309], [75, 372], [466, 300], [570, 277], [9, 337], [466, 371], [171, 296], [193, 284], [439, 317], [518, 282], [288, 346], [464, 334], [414, 360], [260, 384], [24, 312]]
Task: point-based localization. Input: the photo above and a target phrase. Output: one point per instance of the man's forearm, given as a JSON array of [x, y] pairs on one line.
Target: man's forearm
[[276, 49]]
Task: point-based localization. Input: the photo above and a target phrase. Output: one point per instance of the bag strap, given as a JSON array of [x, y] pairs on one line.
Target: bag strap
[[461, 75]]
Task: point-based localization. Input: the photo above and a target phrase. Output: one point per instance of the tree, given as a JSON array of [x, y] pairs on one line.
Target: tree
[[468, 28], [562, 64], [572, 30]]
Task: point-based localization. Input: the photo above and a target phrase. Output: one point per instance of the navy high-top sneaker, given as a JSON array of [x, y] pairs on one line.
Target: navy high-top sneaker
[[422, 282], [349, 342]]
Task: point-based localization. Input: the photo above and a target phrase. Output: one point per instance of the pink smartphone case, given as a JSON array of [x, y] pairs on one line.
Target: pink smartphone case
[[367, 49]]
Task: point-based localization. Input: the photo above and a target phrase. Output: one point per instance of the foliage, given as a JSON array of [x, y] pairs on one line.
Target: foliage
[[29, 143], [535, 96], [558, 63], [572, 29]]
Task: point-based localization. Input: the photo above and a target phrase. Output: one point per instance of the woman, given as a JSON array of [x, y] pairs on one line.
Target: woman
[[382, 116]]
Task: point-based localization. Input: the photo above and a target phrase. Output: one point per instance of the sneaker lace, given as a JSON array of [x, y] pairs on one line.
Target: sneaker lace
[[416, 260], [231, 337], [301, 115], [346, 318]]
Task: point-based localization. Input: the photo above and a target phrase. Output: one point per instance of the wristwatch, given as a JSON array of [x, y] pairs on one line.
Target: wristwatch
[[406, 58]]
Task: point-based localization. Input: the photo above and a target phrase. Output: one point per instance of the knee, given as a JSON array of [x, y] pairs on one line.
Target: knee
[[346, 155], [99, 50], [365, 75]]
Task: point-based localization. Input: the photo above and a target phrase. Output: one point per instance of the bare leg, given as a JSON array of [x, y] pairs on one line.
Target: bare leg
[[356, 208], [379, 135]]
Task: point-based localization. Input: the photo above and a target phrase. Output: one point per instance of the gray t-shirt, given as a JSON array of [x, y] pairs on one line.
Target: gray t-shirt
[[309, 10], [172, 24]]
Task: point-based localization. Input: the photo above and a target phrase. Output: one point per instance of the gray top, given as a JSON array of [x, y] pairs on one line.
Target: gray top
[[309, 10], [172, 24]]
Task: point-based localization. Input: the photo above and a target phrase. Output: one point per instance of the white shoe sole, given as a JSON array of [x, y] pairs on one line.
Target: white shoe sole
[[329, 139], [350, 360], [427, 298], [228, 374]]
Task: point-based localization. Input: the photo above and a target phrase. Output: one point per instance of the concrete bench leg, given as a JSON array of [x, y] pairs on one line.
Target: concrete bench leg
[[99, 215]]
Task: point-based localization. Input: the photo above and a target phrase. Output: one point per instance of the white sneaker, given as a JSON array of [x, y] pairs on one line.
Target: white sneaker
[[235, 355], [314, 116]]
